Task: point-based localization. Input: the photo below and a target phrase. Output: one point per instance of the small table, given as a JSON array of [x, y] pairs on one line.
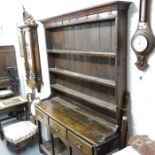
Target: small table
[[11, 104]]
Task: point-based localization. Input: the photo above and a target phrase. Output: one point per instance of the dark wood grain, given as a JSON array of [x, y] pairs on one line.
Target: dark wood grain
[[70, 117], [121, 5], [87, 52], [85, 37], [4, 82], [101, 103], [100, 67], [83, 77], [7, 59]]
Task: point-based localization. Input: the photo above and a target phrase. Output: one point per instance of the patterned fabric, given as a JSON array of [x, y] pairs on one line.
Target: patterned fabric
[[18, 132], [143, 144]]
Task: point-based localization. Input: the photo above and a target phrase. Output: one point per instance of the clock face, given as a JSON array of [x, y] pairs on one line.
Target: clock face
[[140, 43]]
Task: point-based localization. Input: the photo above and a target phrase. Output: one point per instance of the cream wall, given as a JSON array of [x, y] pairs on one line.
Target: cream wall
[[141, 84]]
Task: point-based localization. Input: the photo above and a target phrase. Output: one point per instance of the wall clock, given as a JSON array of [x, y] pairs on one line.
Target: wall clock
[[142, 41]]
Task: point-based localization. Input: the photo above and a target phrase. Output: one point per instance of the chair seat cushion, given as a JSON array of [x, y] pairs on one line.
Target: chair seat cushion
[[18, 132]]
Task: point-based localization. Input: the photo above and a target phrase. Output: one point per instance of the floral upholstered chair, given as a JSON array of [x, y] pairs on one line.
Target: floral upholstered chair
[[18, 132]]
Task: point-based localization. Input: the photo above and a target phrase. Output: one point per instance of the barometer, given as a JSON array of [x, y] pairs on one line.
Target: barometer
[[29, 36], [142, 41]]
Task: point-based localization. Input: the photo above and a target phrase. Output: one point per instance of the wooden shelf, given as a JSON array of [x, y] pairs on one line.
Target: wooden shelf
[[46, 148], [92, 100], [84, 53], [88, 78]]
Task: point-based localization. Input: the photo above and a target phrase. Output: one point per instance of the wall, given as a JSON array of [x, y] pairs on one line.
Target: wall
[[141, 84]]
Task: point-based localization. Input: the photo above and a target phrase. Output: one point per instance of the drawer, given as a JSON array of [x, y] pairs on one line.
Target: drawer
[[57, 129], [80, 144], [41, 117]]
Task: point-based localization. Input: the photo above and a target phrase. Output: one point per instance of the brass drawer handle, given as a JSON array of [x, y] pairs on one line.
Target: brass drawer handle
[[41, 117], [56, 128], [78, 144]]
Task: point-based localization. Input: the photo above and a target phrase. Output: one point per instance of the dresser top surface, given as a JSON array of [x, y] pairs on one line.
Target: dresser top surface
[[82, 122]]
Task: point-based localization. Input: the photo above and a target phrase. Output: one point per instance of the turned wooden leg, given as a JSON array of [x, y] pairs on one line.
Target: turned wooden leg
[[1, 132], [7, 143], [52, 141], [70, 150], [32, 138], [17, 149], [39, 135]]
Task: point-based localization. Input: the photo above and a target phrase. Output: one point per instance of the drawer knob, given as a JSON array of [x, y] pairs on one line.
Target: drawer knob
[[56, 128], [78, 144], [41, 117]]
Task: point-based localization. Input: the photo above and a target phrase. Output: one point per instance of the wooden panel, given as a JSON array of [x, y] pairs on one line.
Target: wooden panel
[[97, 67], [104, 68], [51, 60], [79, 37], [49, 43], [55, 38], [62, 61], [7, 59], [68, 38], [42, 117], [81, 145], [92, 100], [4, 82], [102, 92], [105, 37], [57, 129]]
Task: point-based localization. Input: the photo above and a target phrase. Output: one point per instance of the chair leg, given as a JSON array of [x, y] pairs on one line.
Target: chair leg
[[32, 138], [52, 141], [17, 149], [7, 143], [70, 150], [1, 132]]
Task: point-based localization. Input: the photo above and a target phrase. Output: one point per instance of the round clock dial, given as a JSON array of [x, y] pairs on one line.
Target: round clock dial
[[140, 43]]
